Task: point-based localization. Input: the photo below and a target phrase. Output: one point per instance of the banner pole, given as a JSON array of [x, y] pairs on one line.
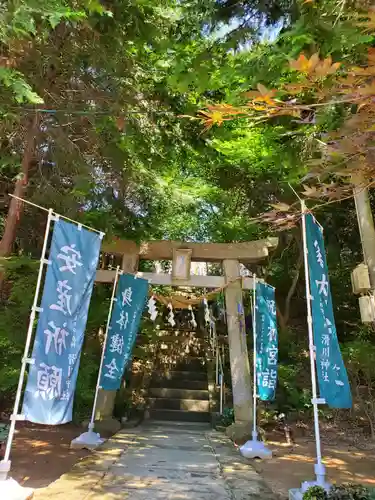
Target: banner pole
[[58, 215], [217, 356], [319, 467], [25, 359], [221, 393], [254, 448], [91, 439], [91, 424], [255, 433]]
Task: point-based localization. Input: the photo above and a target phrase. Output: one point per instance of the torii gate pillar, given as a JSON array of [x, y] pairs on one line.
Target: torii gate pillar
[[106, 399], [239, 359]]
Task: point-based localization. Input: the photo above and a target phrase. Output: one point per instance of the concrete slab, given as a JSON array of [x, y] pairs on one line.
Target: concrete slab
[[156, 495], [150, 489], [73, 486], [238, 494], [185, 426], [183, 475], [162, 464], [167, 483], [160, 457], [165, 440], [170, 449], [154, 475]]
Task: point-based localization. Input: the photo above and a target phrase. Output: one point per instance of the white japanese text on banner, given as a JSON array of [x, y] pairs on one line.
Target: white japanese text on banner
[[332, 377], [130, 301], [267, 342], [66, 297]]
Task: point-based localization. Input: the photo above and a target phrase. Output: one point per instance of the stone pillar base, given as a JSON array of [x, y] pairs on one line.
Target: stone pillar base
[[240, 432], [107, 425], [105, 404]]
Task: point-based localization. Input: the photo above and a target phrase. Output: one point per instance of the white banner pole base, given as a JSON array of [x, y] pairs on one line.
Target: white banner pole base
[[320, 472], [297, 494], [9, 488], [13, 491], [88, 440], [319, 468], [255, 448]]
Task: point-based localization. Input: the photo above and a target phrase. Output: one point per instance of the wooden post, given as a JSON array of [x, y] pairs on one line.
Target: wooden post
[[239, 359], [366, 226], [106, 399]]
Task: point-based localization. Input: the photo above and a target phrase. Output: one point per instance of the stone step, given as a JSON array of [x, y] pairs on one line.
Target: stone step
[[191, 364], [179, 374], [166, 346], [182, 383], [178, 393], [179, 404], [174, 426], [180, 416]]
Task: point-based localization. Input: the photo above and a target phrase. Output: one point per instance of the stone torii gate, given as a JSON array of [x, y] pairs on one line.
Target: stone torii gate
[[128, 253]]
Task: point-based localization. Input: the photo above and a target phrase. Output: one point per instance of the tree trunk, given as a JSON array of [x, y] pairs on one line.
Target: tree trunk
[[293, 286], [15, 207], [284, 317], [282, 323]]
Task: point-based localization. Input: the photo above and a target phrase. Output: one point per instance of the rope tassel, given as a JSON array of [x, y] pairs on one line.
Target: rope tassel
[[171, 320], [192, 319], [207, 316], [153, 312]]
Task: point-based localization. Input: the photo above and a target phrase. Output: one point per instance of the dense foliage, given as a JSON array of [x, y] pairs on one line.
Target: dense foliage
[[96, 101], [343, 492]]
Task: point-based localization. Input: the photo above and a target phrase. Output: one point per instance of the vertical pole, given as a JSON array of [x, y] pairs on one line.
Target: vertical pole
[[25, 358], [255, 433], [221, 393], [223, 365], [217, 359], [221, 380], [210, 338], [215, 349], [91, 424], [319, 467]]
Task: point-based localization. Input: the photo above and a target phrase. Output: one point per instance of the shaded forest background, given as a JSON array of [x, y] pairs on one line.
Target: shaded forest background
[[93, 104]]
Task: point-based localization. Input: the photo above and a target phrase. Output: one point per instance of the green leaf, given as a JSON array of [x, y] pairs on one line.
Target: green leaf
[[22, 91]]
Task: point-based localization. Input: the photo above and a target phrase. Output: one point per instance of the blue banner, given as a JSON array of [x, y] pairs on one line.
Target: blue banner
[[267, 342], [332, 377], [130, 301], [66, 297]]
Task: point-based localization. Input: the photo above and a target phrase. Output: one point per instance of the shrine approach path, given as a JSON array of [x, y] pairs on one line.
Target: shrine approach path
[[168, 461]]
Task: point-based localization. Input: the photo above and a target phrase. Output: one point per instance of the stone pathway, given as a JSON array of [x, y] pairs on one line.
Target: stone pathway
[[162, 461]]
